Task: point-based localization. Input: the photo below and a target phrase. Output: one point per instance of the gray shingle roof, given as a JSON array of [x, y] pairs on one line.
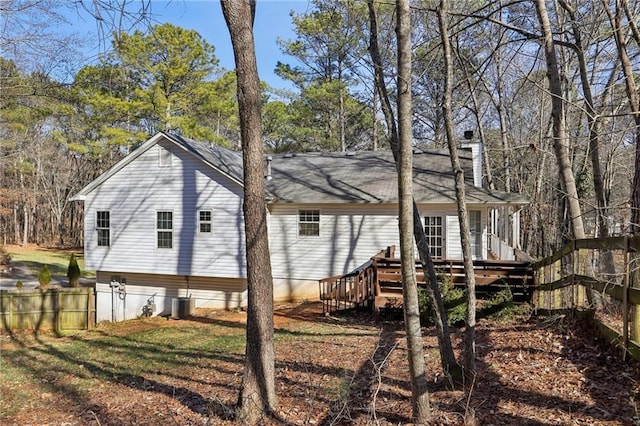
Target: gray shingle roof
[[370, 177], [225, 160], [362, 177], [335, 178]]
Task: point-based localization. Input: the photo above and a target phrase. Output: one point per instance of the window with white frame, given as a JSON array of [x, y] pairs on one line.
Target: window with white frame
[[205, 220], [309, 223], [434, 231], [103, 228], [164, 229]]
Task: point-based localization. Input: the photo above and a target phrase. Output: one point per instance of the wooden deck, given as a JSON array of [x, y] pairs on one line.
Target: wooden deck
[[378, 283]]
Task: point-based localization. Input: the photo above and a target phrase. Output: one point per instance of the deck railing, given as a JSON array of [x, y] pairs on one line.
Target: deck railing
[[354, 289], [378, 283], [500, 248]]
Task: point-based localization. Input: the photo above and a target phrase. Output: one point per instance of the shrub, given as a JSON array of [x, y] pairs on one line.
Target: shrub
[[45, 277], [5, 258], [452, 297], [500, 306], [73, 271], [19, 284]]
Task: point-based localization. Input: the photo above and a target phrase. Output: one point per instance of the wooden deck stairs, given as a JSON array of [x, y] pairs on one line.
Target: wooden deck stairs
[[377, 284]]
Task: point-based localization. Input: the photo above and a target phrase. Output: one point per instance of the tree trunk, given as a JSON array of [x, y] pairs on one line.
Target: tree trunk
[[257, 395], [560, 148], [343, 142], [631, 21], [502, 114], [634, 106], [465, 233], [602, 203], [374, 117], [449, 365], [25, 224], [417, 368]]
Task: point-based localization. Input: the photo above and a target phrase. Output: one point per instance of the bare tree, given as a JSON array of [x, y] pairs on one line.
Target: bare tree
[[593, 123], [465, 233], [634, 102], [634, 107], [567, 179], [257, 395], [417, 369], [447, 357]]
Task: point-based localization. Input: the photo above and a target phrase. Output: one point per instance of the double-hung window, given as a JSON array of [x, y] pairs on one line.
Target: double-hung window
[[205, 220], [309, 223], [434, 231], [103, 228], [164, 229]]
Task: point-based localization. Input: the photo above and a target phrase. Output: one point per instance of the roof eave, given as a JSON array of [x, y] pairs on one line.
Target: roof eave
[[203, 159], [91, 186]]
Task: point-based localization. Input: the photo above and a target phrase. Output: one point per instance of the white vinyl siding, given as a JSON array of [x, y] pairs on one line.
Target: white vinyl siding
[[452, 243], [477, 225], [349, 236], [136, 192]]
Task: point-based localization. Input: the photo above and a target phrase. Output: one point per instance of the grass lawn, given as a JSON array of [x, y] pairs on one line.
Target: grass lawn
[[67, 370], [35, 257], [148, 368]]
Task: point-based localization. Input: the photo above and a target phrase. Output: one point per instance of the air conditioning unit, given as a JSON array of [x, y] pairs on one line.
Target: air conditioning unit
[[182, 307]]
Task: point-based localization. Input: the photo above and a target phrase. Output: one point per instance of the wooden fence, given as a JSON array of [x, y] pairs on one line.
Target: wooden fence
[[57, 309], [598, 272]]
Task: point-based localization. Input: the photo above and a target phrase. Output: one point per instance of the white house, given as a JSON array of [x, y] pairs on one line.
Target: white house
[[166, 221]]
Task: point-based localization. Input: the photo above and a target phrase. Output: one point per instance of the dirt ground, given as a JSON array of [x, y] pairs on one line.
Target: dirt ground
[[539, 371]]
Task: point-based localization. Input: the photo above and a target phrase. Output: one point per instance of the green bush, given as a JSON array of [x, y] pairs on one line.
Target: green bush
[[44, 278], [500, 306], [453, 298], [19, 284], [73, 271]]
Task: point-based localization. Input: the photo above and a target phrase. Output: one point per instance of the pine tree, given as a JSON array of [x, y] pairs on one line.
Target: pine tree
[[45, 277], [73, 271]]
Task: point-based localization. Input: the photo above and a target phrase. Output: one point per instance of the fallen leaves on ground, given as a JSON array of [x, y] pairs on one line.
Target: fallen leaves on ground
[[352, 369]]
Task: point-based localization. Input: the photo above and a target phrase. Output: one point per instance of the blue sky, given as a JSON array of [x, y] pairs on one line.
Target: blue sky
[[205, 16]]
